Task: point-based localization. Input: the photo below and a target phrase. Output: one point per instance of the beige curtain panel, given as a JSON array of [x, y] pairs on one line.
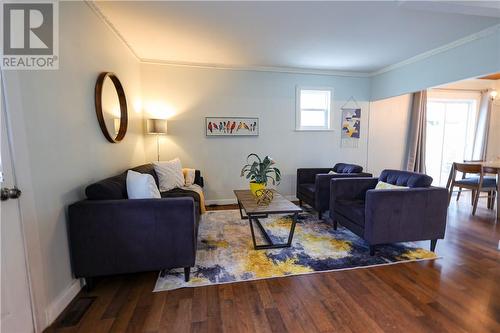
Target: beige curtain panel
[[415, 157]]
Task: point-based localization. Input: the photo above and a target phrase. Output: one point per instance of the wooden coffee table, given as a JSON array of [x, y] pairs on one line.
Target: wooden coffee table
[[279, 205]]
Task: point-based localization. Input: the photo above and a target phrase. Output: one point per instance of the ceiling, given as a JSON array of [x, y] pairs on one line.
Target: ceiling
[[343, 36]]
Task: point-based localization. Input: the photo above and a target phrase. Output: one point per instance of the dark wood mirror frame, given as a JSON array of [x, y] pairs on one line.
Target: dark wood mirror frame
[[123, 106]]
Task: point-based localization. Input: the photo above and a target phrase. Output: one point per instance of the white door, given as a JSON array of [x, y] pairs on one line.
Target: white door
[[16, 312]]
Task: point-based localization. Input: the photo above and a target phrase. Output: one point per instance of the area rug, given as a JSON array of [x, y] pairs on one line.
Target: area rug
[[225, 251]]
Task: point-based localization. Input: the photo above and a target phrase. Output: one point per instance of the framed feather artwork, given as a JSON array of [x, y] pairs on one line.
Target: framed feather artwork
[[231, 126]]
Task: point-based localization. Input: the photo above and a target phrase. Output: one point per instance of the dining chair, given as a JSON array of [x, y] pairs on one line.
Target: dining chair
[[491, 195], [477, 183]]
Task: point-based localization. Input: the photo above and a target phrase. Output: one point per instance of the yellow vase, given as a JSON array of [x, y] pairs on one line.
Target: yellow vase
[[254, 187]]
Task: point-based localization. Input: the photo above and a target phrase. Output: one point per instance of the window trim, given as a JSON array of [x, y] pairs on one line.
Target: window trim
[[298, 110]]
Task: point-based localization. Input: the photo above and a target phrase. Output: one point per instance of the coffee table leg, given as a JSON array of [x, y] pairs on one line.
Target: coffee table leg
[[241, 211], [270, 244], [251, 229], [292, 228]]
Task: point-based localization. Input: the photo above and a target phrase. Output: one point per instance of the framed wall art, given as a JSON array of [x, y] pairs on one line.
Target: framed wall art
[[231, 126]]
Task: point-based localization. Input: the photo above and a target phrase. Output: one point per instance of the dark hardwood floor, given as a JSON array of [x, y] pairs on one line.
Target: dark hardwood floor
[[458, 293]]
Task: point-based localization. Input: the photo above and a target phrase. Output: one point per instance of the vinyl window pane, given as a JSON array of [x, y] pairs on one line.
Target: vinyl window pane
[[314, 99], [313, 118]]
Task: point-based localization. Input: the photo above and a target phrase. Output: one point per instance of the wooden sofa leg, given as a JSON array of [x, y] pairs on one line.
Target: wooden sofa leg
[[372, 250], [433, 244], [300, 203], [335, 224], [320, 215], [187, 270]]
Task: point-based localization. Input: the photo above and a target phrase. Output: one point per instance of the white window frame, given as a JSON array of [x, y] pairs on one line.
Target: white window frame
[[298, 110]]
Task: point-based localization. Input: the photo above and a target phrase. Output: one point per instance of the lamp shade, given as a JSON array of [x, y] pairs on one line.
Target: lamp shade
[[156, 126]]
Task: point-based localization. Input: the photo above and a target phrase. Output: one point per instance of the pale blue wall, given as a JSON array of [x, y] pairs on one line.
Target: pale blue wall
[[472, 59]]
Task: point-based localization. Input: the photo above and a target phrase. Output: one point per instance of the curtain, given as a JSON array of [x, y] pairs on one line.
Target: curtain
[[482, 127], [415, 152]]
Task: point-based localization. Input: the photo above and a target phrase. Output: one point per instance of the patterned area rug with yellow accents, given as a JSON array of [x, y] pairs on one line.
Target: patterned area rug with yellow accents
[[225, 251]]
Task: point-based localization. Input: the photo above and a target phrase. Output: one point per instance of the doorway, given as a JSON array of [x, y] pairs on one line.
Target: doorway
[[16, 307], [450, 135]]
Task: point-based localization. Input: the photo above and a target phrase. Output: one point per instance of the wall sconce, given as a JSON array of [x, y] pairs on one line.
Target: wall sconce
[[493, 95], [158, 127], [495, 99]]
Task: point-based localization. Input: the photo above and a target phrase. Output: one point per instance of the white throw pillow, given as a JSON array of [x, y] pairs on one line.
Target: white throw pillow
[[141, 186], [386, 186], [169, 174]]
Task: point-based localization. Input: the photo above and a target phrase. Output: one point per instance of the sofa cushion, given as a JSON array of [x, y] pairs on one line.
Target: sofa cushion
[[347, 168], [112, 188], [471, 181], [169, 174], [307, 189], [387, 186], [354, 210], [405, 178], [141, 186], [149, 169]]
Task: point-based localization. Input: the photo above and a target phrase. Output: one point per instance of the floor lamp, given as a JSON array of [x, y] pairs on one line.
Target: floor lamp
[[158, 127]]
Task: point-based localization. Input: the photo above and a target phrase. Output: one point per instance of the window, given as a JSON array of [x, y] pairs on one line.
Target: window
[[313, 109], [450, 135]]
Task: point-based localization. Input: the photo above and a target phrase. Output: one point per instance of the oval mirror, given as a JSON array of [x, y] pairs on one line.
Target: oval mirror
[[111, 107]]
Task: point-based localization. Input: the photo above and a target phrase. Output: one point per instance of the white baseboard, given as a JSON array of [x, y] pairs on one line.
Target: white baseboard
[[220, 202], [233, 201], [57, 306]]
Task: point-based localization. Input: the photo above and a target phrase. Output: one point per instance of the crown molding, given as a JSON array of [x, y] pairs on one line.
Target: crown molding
[[459, 42], [295, 70], [287, 70], [100, 14]]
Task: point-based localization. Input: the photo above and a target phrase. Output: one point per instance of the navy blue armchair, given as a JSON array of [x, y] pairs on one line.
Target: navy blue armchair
[[393, 215], [313, 184]]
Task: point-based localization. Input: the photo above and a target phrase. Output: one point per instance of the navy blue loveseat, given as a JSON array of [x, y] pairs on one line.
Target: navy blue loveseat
[[110, 234], [394, 215]]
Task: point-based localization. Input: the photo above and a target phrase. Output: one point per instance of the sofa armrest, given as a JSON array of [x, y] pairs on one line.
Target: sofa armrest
[[322, 186], [308, 175], [349, 189], [123, 236], [405, 214]]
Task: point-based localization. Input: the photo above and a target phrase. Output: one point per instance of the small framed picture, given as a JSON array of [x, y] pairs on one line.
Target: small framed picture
[[231, 126]]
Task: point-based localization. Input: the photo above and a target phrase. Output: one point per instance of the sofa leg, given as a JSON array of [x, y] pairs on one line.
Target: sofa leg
[[433, 244], [89, 284], [320, 215], [335, 224], [372, 250], [300, 203], [187, 270]]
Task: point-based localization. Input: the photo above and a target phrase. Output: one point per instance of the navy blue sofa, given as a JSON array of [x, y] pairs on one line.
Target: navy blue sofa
[[110, 234], [389, 216], [313, 184]]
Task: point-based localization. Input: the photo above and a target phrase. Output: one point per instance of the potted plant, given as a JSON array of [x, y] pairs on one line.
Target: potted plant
[[260, 171]]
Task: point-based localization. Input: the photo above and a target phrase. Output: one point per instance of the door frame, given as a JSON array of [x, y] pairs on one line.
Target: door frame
[[15, 123]]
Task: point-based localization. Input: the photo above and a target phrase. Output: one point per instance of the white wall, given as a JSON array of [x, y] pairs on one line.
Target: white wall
[[67, 150], [191, 94], [470, 57], [388, 133]]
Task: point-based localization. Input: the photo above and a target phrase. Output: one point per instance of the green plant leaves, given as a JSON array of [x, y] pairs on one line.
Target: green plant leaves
[[260, 170]]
